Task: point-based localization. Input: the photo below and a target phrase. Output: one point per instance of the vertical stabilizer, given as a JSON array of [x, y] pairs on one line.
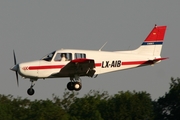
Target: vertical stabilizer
[[152, 45]]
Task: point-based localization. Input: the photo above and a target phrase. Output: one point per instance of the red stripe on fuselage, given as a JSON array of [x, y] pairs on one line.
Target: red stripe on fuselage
[[96, 64], [137, 63], [46, 67], [53, 67]]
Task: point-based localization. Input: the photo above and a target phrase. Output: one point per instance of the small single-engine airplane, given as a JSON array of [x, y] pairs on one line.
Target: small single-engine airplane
[[77, 63]]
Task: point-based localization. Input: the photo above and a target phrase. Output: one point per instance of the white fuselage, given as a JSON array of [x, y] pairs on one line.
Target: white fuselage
[[104, 62]]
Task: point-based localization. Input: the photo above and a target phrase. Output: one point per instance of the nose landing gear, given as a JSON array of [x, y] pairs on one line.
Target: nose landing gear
[[31, 91]]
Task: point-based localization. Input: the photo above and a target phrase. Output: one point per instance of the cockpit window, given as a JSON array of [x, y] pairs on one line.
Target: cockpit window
[[48, 57], [63, 57]]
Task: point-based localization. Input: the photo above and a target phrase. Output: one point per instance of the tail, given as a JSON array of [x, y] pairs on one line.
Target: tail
[[152, 45]]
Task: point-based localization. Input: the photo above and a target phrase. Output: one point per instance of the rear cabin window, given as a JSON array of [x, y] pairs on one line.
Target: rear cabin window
[[63, 57], [80, 55]]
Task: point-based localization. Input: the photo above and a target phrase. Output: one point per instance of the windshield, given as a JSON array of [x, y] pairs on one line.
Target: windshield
[[48, 57]]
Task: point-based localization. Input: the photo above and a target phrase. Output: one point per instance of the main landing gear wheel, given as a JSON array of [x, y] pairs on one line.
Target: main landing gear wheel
[[74, 86], [77, 86], [75, 83], [70, 86]]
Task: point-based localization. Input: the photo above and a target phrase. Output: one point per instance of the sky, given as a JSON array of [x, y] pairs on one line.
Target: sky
[[34, 28]]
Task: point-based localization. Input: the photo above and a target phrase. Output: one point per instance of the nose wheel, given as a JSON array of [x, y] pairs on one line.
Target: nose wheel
[[31, 91]]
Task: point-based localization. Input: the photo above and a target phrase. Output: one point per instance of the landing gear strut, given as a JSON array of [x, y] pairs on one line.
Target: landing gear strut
[[75, 84], [31, 91]]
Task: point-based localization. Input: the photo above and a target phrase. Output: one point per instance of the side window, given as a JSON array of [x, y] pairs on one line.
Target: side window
[[63, 57], [80, 55]]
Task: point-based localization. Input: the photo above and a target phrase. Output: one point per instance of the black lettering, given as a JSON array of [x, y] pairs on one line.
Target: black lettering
[[112, 64], [118, 63], [103, 64], [115, 64], [107, 64]]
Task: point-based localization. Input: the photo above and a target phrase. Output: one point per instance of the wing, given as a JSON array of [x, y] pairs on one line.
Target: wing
[[81, 67]]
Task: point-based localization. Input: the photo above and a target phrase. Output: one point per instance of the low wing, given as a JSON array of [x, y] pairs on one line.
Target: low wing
[[81, 67]]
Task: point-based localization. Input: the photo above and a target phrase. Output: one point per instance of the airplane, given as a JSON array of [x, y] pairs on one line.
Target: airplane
[[75, 63]]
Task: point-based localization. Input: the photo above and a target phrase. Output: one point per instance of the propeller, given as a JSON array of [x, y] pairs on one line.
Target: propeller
[[15, 68]]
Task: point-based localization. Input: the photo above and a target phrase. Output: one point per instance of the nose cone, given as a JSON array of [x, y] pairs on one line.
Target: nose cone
[[15, 68]]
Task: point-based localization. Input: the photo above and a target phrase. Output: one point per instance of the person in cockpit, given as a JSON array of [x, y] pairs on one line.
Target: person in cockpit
[[63, 57]]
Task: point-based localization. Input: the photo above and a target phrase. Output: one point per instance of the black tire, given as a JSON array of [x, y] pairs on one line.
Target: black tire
[[70, 86], [30, 91]]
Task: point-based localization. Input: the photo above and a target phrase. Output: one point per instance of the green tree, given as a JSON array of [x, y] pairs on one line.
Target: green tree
[[87, 108], [68, 99], [6, 107], [13, 108], [46, 110], [94, 105], [20, 108], [128, 106], [24, 109], [167, 107]]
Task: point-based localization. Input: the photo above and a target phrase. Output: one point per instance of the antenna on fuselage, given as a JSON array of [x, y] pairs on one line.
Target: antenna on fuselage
[[103, 46]]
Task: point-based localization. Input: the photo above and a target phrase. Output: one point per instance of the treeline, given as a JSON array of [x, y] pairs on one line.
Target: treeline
[[95, 105]]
